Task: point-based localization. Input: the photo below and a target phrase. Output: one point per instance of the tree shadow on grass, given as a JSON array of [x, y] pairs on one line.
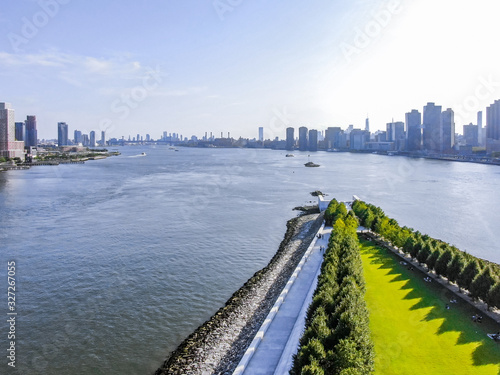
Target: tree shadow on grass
[[436, 297]]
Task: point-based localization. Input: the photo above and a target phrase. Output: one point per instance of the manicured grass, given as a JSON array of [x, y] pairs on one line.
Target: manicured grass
[[412, 330]]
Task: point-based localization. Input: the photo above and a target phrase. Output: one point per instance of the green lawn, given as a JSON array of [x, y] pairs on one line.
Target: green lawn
[[412, 330]]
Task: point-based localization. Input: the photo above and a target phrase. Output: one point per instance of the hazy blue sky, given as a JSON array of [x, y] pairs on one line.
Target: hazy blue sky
[[188, 66]]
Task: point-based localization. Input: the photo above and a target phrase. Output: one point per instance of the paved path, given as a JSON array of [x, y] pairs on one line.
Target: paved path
[[272, 349]]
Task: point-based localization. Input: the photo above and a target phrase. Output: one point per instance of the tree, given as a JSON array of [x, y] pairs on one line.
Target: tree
[[482, 284], [442, 262], [455, 267], [470, 271], [416, 248], [424, 253], [432, 259], [493, 298]]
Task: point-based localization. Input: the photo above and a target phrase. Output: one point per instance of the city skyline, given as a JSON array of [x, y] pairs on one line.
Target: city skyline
[[246, 65]]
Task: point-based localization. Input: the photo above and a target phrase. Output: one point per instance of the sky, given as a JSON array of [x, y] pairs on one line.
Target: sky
[[196, 66]]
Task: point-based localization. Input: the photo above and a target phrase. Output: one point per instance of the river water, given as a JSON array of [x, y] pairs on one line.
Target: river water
[[118, 260]]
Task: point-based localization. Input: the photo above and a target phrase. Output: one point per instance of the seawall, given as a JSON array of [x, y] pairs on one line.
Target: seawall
[[218, 344]]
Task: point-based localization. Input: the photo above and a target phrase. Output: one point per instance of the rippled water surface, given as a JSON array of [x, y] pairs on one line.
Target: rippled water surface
[[119, 259]]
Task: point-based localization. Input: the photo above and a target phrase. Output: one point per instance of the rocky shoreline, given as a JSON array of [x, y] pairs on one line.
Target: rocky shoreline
[[218, 344]]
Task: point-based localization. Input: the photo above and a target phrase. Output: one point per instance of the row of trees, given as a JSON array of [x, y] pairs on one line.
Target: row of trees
[[479, 277], [337, 338]]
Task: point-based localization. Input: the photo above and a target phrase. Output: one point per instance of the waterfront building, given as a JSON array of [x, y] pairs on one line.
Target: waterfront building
[[358, 138], [303, 138], [432, 127], [62, 134], [103, 138], [480, 131], [19, 133], [78, 137], [447, 131], [148, 138], [331, 137], [471, 135], [396, 134], [92, 139], [367, 125], [493, 127], [31, 139], [261, 134], [290, 139], [85, 140], [413, 122], [9, 147], [380, 136], [313, 140]]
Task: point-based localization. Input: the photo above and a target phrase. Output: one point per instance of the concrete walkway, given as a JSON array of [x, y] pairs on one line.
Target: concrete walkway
[[272, 350]]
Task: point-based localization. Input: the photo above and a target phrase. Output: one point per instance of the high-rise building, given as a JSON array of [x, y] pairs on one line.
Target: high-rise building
[[103, 138], [470, 135], [9, 147], [261, 134], [20, 131], [358, 138], [31, 132], [367, 125], [493, 127], [331, 137], [85, 140], [148, 137], [432, 128], [396, 133], [62, 134], [313, 140], [78, 137], [480, 130], [303, 138], [413, 121], [290, 139], [447, 131], [92, 139]]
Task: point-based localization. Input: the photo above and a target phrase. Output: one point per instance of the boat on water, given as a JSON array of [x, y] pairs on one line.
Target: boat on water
[[289, 155], [310, 164], [143, 154]]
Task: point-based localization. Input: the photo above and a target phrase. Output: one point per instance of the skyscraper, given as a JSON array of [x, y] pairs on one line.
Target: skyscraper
[[303, 138], [62, 134], [367, 125], [290, 139], [493, 127], [480, 130], [9, 147], [78, 137], [261, 134], [413, 121], [103, 138], [20, 131], [92, 139], [447, 131], [31, 132], [431, 127], [313, 140], [470, 135], [331, 137]]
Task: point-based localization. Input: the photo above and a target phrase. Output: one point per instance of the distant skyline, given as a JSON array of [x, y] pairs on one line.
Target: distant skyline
[[207, 66]]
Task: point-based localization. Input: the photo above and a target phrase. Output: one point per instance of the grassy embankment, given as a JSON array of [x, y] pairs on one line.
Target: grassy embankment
[[412, 330]]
